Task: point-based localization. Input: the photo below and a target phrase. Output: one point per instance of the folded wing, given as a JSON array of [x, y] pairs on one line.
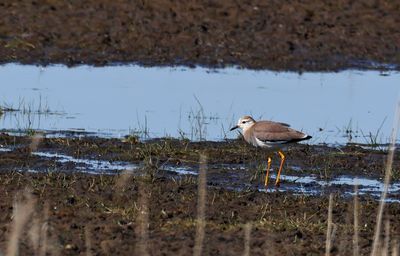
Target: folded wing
[[268, 131]]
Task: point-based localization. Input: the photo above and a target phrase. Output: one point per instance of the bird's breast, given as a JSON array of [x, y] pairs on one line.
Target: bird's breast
[[251, 139]]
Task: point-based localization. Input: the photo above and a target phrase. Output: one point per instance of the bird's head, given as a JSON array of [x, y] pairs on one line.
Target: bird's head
[[244, 123]]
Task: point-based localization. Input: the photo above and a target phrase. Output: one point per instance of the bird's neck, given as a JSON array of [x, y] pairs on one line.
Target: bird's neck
[[248, 127]]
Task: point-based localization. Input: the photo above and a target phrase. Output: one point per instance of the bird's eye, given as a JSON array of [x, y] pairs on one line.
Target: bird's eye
[[243, 122]]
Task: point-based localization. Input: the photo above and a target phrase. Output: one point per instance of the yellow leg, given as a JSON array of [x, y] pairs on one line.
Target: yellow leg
[[267, 174], [280, 168]]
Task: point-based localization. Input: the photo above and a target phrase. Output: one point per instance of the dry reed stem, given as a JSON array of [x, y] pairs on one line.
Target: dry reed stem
[[122, 180], [142, 221], [43, 232], [34, 234], [36, 139], [247, 233], [385, 249], [88, 243], [201, 207], [356, 236], [21, 214], [395, 247], [388, 173], [329, 232]]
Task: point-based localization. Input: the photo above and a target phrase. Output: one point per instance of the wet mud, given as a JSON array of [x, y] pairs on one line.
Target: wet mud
[[118, 196], [276, 35]]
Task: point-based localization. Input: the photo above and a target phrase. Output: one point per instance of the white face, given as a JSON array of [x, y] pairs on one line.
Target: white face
[[245, 123]]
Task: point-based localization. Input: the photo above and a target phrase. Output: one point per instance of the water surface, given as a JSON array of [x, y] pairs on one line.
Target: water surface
[[197, 103]]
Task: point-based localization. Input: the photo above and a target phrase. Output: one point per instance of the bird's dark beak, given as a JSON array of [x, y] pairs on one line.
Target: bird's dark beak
[[235, 127]]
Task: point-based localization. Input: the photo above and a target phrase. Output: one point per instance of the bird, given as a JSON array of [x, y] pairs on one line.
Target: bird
[[269, 134]]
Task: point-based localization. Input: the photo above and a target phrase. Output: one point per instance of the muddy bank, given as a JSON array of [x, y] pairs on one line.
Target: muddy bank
[[277, 35], [154, 202], [105, 215], [26, 151]]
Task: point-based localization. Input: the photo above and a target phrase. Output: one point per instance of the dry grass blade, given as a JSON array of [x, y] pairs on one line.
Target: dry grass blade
[[142, 222], [356, 236], [388, 173], [329, 231], [43, 232], [247, 233], [38, 232], [395, 247], [201, 207], [36, 139], [88, 243], [22, 212], [385, 249], [122, 180], [34, 234]]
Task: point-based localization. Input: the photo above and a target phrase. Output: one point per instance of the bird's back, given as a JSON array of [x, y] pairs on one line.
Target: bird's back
[[268, 134]]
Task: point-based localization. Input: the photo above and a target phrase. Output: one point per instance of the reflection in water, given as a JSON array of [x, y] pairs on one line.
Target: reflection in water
[[88, 165], [197, 104]]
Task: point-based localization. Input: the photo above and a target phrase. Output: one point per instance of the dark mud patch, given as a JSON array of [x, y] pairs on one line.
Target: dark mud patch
[[107, 209], [234, 165], [276, 35]]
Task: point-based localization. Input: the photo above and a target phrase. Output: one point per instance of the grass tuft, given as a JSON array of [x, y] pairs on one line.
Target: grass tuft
[[23, 210], [201, 207], [388, 173]]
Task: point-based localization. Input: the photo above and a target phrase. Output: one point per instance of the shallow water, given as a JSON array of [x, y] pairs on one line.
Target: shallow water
[[89, 165], [197, 103], [231, 178]]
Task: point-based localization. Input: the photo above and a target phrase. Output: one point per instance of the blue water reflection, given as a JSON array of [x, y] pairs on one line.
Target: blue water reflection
[[196, 102]]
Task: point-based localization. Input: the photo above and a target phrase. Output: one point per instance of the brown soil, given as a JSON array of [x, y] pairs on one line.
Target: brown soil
[[282, 224], [155, 211], [351, 159], [278, 35]]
